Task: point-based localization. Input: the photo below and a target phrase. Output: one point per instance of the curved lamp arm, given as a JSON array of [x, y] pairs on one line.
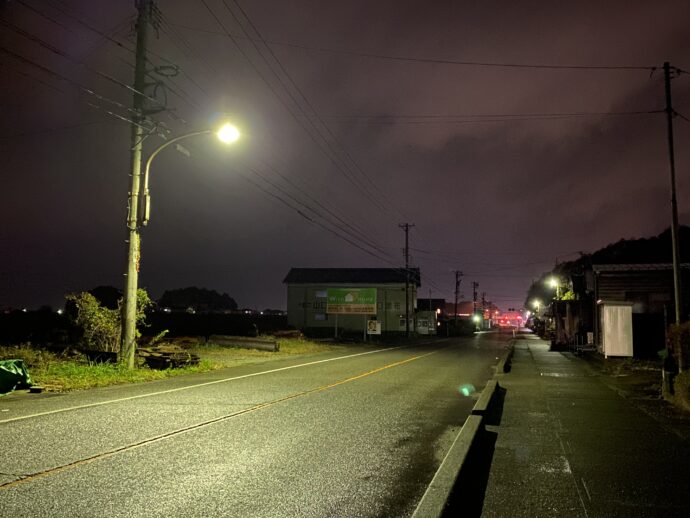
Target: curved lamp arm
[[146, 204]]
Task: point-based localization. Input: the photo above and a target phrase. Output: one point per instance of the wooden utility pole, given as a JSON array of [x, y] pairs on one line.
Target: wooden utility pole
[[129, 312], [406, 227], [677, 299], [458, 280], [475, 285]]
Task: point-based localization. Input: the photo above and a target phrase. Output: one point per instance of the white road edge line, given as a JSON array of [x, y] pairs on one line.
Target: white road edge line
[[189, 387]]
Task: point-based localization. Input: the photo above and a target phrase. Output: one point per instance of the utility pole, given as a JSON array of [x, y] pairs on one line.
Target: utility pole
[[475, 285], [674, 208], [129, 312], [458, 280], [483, 306], [406, 227], [430, 315]]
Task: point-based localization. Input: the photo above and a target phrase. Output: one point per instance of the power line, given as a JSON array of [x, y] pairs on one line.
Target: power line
[[493, 253], [364, 239], [103, 75], [32, 78], [314, 221], [498, 267], [335, 139], [325, 147], [105, 37], [516, 276], [319, 224], [174, 36], [48, 131], [77, 20], [439, 61], [66, 79], [353, 226], [62, 54], [483, 120], [487, 115]]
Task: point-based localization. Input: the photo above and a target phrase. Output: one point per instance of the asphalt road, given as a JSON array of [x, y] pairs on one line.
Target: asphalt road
[[357, 433]]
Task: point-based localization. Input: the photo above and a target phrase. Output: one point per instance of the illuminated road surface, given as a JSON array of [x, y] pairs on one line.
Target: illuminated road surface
[[360, 435]]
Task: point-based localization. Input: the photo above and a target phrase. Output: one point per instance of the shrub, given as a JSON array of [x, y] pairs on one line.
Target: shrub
[[100, 326]]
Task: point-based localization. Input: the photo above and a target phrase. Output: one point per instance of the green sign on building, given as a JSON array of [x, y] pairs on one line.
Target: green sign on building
[[351, 301]]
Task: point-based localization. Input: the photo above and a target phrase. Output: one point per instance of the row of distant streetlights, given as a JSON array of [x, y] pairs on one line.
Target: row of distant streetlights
[[226, 133]]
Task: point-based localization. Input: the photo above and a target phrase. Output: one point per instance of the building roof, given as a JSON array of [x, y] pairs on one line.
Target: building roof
[[635, 267], [351, 276]]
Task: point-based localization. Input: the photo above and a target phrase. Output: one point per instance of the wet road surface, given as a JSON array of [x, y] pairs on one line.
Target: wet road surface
[[356, 433]]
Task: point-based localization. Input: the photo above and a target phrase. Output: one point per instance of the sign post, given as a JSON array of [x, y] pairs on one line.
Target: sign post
[[365, 327], [351, 301]]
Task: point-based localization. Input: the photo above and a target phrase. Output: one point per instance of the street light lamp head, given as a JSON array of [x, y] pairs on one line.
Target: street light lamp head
[[553, 282], [228, 133]]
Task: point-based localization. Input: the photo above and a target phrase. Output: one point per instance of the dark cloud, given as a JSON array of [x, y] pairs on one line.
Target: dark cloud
[[501, 199]]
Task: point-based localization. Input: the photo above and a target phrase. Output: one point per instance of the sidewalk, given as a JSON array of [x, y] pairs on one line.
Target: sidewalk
[[569, 445]]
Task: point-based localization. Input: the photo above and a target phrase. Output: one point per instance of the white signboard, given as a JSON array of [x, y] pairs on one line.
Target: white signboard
[[373, 327]]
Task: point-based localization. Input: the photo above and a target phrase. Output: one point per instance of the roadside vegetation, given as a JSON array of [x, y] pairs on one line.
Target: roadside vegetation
[[69, 369], [98, 325], [222, 356]]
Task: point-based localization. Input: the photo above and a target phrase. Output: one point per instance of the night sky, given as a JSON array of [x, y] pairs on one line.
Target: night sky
[[356, 116]]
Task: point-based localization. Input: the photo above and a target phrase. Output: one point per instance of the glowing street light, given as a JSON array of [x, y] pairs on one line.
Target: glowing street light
[[536, 303], [554, 282], [227, 133]]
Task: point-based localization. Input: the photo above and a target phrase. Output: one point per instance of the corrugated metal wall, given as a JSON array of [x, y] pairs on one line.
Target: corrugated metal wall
[[623, 286]]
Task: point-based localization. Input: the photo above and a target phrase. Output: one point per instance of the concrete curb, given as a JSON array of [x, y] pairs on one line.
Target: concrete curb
[[505, 362], [481, 407], [437, 495]]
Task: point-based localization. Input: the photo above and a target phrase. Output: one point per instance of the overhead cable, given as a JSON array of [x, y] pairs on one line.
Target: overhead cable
[[325, 147], [72, 82], [440, 61], [301, 93]]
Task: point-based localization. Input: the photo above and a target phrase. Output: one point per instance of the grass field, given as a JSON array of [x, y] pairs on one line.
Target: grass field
[[70, 370]]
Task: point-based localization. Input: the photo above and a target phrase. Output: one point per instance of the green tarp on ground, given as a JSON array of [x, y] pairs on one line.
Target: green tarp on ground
[[13, 375]]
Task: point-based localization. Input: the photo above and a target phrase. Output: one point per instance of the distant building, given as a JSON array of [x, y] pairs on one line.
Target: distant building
[[307, 292], [428, 315], [466, 308], [427, 304]]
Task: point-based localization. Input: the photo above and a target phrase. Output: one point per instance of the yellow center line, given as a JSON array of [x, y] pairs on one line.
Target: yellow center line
[[81, 462]]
